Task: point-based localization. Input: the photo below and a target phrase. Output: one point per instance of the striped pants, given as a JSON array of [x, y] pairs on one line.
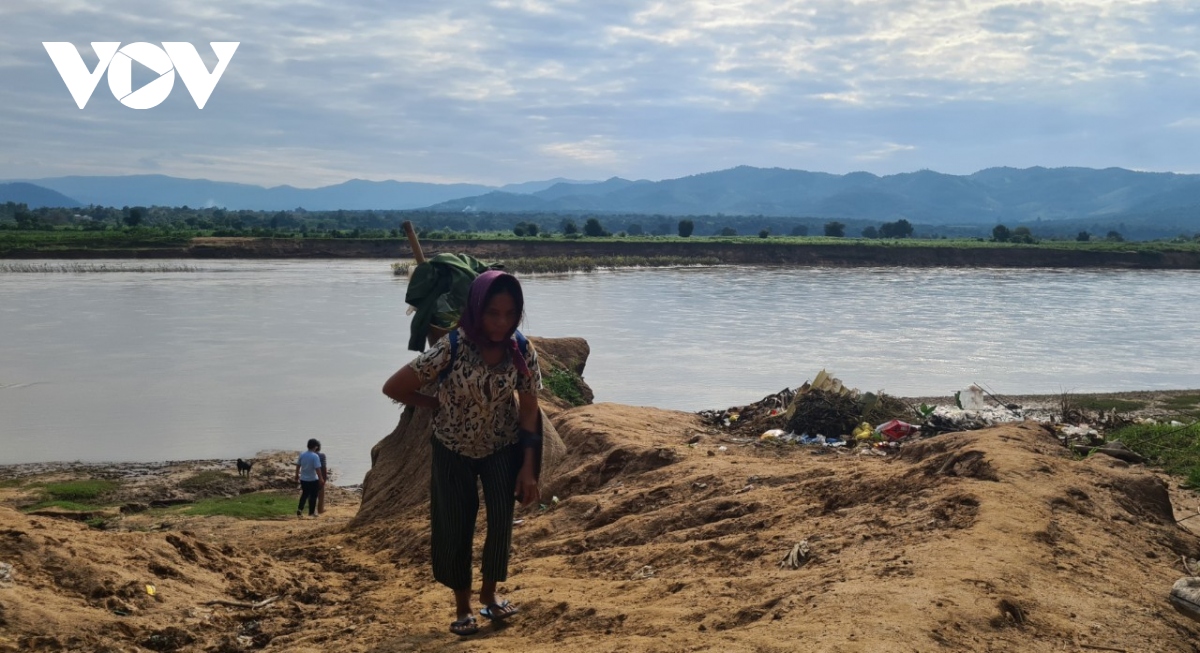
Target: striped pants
[[454, 503]]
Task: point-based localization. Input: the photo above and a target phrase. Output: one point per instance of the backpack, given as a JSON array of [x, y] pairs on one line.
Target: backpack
[[522, 345]]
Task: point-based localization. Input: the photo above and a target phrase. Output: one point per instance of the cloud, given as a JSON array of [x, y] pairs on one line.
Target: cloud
[[496, 91], [883, 152]]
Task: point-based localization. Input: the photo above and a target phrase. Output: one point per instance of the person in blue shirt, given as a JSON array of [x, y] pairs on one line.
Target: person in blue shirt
[[308, 475]]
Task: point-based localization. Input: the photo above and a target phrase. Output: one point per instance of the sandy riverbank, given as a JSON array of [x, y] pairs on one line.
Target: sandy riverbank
[[667, 536]]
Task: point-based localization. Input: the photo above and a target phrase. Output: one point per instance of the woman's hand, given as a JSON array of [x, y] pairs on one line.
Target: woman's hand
[[527, 486]]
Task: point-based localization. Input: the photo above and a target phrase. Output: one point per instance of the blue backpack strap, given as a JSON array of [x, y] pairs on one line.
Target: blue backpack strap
[[522, 344], [453, 335]]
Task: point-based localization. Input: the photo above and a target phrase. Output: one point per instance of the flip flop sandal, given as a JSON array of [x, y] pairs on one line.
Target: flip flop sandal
[[499, 611], [465, 626]]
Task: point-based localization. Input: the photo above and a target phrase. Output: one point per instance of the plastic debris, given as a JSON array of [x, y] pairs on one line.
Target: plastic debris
[[896, 430], [970, 399], [863, 433], [6, 575], [797, 556], [772, 434], [150, 589], [644, 573], [1185, 597], [1081, 431], [722, 448], [947, 418]]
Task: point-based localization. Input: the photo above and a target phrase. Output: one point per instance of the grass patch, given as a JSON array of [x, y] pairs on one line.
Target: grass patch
[[85, 490], [1098, 404], [206, 480], [10, 483], [565, 385], [1182, 402], [63, 505], [258, 505], [1175, 448]]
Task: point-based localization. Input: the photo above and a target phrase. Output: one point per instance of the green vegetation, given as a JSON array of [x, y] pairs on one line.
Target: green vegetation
[[565, 385], [563, 264], [1183, 403], [1099, 404], [64, 505], [258, 505], [85, 490], [1176, 448], [64, 237], [51, 230], [78, 268], [11, 482], [206, 480]]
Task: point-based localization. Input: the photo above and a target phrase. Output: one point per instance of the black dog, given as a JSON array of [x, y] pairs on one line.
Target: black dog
[[244, 467]]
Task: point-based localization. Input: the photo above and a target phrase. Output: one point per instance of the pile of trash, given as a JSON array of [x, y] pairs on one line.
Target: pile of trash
[[762, 414], [824, 411]]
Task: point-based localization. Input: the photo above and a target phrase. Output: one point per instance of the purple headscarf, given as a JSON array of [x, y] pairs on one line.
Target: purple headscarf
[[471, 320]]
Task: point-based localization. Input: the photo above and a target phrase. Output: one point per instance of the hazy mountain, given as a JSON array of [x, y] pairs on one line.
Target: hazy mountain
[[160, 190], [575, 188], [986, 197], [1165, 201], [35, 197], [530, 187]]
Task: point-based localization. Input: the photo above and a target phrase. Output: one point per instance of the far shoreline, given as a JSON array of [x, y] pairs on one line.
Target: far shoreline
[[748, 251]]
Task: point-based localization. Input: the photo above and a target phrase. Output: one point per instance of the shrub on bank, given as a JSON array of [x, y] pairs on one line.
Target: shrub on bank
[[1176, 448]]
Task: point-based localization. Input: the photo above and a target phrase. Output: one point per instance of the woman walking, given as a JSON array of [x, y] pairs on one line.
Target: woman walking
[[479, 432]]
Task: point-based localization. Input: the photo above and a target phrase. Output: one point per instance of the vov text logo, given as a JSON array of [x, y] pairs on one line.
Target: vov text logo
[[172, 57]]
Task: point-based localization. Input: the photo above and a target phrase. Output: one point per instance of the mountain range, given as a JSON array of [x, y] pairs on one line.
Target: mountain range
[[989, 196]]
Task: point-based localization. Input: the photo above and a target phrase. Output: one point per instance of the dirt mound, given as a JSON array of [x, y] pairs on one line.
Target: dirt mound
[[669, 535], [399, 474], [80, 589], [998, 539]]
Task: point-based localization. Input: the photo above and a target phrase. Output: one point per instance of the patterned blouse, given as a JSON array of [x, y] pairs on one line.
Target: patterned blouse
[[478, 414]]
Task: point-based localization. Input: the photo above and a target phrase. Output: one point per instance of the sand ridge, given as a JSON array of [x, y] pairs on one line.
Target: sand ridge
[[997, 539]]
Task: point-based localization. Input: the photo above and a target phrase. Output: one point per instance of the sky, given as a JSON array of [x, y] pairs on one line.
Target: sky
[[504, 91]]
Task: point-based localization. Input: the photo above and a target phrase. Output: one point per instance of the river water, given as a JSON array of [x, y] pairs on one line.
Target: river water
[[235, 357]]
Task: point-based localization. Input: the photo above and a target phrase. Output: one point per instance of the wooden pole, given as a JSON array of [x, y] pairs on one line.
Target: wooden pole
[[413, 242]]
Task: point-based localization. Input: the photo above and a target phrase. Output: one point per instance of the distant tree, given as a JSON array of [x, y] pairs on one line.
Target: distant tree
[[1083, 237], [728, 231], [569, 227], [870, 232], [899, 229], [1114, 237], [1021, 235], [835, 230], [685, 228], [800, 230], [765, 233], [635, 229], [594, 229], [523, 229], [1001, 234], [135, 216]]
